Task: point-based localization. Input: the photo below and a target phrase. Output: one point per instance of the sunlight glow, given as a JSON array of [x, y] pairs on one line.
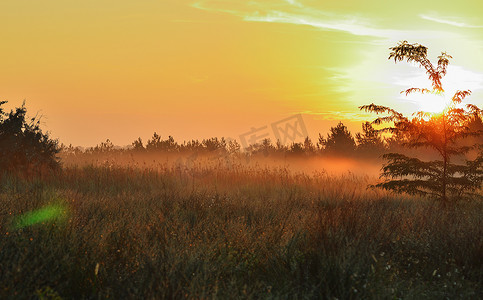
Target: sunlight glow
[[195, 69], [429, 102], [456, 79]]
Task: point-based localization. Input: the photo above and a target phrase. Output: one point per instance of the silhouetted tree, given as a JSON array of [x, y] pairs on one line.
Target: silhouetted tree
[[103, 147], [233, 147], [192, 146], [169, 144], [339, 141], [320, 142], [442, 178], [369, 141], [24, 148], [137, 145], [154, 143], [297, 148], [264, 147], [309, 147], [475, 125], [280, 148], [157, 144], [70, 150], [214, 144]]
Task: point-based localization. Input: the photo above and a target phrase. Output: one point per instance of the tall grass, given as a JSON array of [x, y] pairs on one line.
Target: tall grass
[[238, 232]]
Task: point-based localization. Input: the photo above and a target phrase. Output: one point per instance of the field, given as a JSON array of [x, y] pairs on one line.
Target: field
[[239, 232]]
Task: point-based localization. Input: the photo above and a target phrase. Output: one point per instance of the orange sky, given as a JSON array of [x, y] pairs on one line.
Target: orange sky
[[196, 69]]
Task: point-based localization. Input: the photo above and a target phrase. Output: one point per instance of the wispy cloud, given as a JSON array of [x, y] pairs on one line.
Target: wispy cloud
[[343, 23], [347, 25], [448, 21], [296, 13]]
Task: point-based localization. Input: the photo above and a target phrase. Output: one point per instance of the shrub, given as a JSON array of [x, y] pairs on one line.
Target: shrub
[[24, 148]]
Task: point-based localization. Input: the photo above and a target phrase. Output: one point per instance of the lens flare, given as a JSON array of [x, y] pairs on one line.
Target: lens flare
[[48, 213]]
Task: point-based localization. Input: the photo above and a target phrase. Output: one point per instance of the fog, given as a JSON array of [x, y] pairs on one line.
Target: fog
[[194, 162]]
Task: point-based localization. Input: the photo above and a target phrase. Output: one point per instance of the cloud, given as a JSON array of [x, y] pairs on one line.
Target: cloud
[[294, 12], [447, 21], [347, 25], [298, 14]]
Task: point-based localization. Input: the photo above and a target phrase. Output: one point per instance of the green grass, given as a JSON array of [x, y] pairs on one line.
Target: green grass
[[232, 233]]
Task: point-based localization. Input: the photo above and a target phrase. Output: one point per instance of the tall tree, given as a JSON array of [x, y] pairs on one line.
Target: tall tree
[[309, 147], [339, 140], [443, 178], [137, 145], [369, 141]]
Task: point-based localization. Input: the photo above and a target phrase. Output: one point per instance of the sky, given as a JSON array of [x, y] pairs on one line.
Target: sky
[[196, 69]]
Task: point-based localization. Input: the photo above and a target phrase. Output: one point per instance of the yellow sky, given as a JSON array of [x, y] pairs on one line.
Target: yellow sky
[[196, 69]]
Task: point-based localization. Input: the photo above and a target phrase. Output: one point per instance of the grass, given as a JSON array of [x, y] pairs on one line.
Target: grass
[[232, 233]]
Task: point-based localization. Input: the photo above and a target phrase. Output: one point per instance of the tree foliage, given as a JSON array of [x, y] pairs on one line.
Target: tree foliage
[[158, 144], [369, 141], [339, 140], [24, 148], [452, 175], [137, 145]]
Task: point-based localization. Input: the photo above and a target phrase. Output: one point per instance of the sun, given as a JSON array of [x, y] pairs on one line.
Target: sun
[[429, 102], [456, 79]]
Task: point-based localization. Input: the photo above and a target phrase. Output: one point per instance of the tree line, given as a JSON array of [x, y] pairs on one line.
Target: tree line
[[338, 141]]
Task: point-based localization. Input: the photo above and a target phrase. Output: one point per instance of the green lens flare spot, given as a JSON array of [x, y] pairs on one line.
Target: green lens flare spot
[[48, 213]]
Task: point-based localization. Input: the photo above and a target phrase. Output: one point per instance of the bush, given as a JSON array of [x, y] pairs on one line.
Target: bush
[[24, 149]]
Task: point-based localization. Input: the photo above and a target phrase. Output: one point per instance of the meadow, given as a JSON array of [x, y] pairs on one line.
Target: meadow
[[239, 231]]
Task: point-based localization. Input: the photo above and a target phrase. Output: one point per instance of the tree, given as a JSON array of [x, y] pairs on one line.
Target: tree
[[309, 147], [443, 178], [234, 147], [281, 148], [157, 144], [215, 144], [154, 143], [192, 146], [103, 147], [265, 147], [297, 148], [137, 145], [24, 148], [369, 142], [339, 140]]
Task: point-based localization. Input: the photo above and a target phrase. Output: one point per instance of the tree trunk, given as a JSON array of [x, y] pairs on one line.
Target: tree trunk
[[443, 182], [445, 159]]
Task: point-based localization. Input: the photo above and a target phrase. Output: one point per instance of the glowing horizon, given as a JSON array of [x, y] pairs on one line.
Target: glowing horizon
[[200, 69]]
